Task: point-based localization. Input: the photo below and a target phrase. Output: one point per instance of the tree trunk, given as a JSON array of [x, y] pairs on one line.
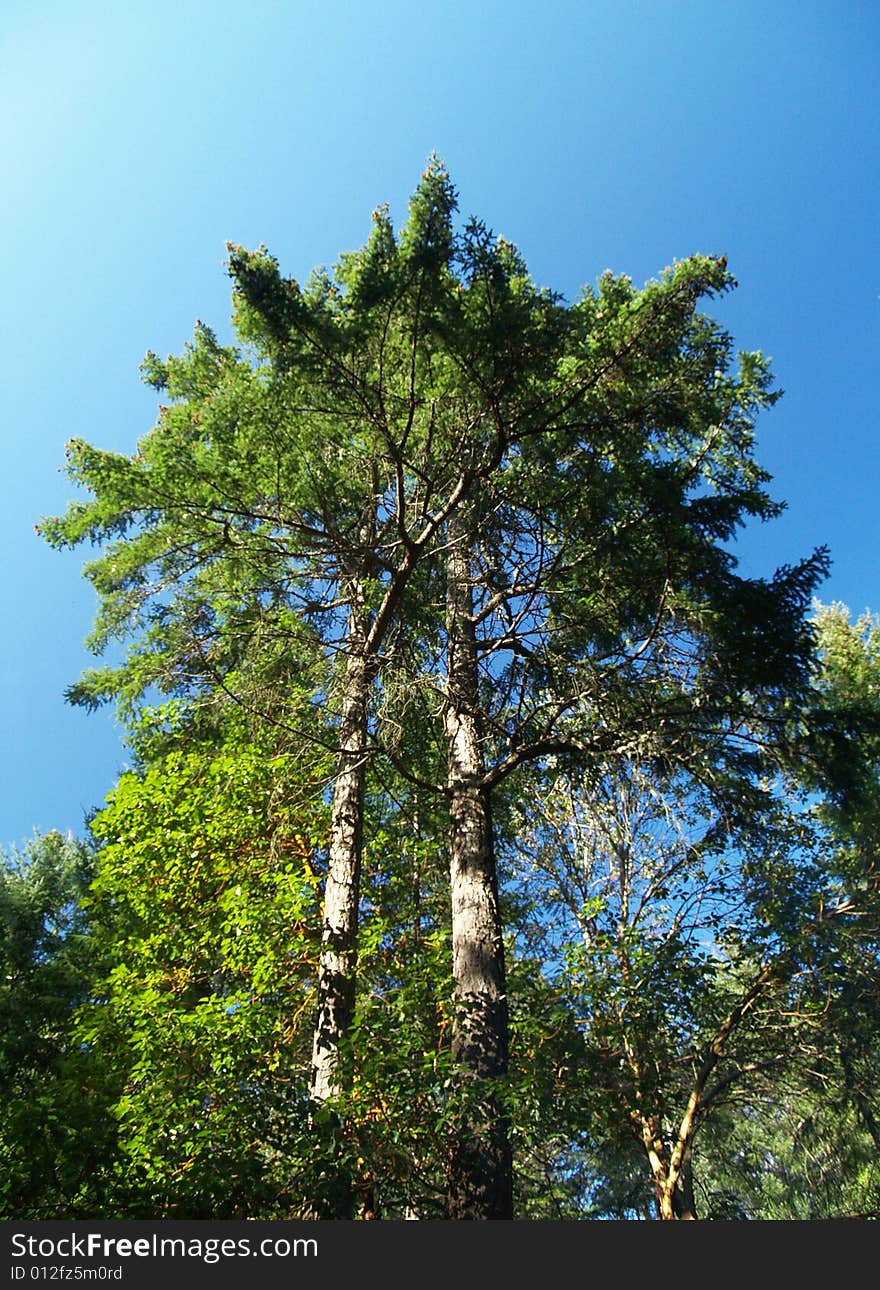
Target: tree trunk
[[675, 1197], [672, 1174], [335, 1195], [683, 1202], [480, 1171], [338, 958]]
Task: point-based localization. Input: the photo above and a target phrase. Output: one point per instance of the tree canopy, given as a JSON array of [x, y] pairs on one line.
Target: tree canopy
[[489, 833]]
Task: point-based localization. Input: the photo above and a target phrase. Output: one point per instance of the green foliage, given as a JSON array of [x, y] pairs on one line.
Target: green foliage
[[800, 1155], [727, 955], [684, 792], [207, 902], [55, 1133]]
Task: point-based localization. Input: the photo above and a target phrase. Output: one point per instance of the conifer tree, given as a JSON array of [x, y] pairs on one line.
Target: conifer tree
[[423, 474]]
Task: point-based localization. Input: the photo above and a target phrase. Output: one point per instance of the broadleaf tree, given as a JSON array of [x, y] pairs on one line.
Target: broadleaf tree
[[720, 948]]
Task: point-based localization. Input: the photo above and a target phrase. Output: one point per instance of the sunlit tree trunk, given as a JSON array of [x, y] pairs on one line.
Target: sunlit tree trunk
[[480, 1171], [338, 958], [337, 964]]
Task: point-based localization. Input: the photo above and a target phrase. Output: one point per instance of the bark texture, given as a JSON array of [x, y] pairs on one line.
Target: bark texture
[[480, 1170], [337, 963]]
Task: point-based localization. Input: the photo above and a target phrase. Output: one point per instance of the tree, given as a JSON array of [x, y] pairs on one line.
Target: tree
[[719, 942], [426, 483], [592, 607], [294, 487], [54, 1127], [206, 907]]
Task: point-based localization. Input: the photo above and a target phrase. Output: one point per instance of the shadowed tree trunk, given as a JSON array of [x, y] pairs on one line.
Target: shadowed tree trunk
[[683, 1201]]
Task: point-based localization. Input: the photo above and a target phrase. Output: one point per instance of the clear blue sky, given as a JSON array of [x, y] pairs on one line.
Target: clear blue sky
[[137, 138]]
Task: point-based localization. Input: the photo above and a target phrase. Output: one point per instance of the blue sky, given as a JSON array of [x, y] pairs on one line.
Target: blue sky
[[136, 139]]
